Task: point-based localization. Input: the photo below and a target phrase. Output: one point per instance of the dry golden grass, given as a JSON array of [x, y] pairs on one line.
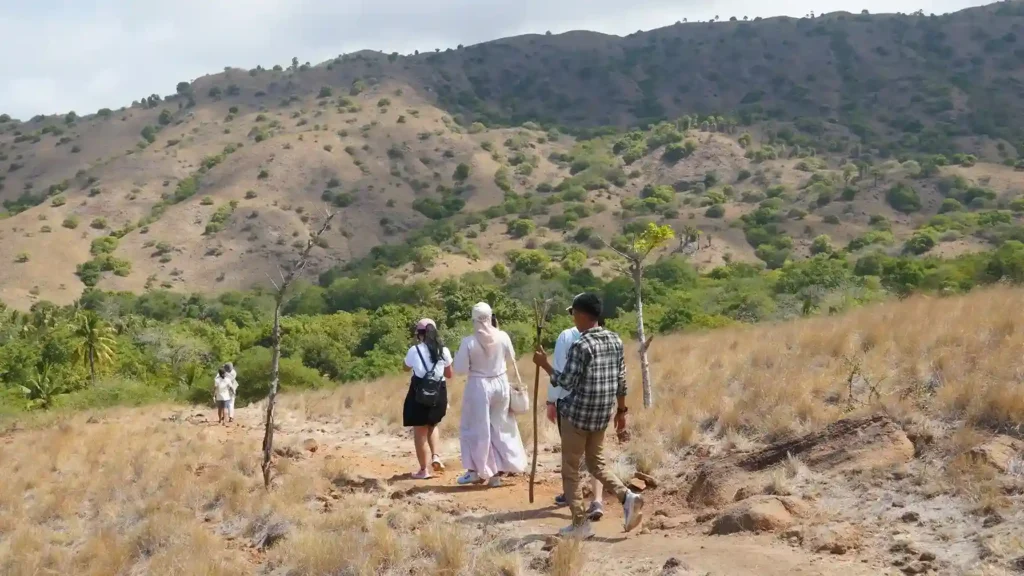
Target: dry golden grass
[[923, 360], [137, 496], [133, 495], [568, 558]]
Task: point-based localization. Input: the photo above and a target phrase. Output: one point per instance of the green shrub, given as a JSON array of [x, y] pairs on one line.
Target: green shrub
[[103, 245], [255, 362], [71, 222], [503, 179], [715, 211], [903, 198], [954, 205], [529, 261], [220, 218], [919, 243], [821, 245], [58, 201], [461, 172], [521, 228]]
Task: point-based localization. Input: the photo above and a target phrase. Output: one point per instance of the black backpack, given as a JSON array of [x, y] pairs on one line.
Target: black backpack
[[427, 390]]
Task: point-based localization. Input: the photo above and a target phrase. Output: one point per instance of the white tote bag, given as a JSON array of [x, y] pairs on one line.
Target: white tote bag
[[520, 403]]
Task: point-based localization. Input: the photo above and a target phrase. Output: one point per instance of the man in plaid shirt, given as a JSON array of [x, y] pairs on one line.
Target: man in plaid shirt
[[595, 379]]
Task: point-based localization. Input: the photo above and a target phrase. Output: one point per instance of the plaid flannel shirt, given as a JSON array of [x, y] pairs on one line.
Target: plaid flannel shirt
[[594, 376]]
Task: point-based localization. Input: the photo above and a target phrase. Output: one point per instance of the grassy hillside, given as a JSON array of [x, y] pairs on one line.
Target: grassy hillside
[[159, 490], [436, 155]]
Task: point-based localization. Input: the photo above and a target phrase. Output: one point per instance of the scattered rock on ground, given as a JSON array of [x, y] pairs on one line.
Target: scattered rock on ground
[[851, 444], [837, 539], [993, 519], [917, 567], [910, 517], [759, 514], [998, 452], [360, 483], [288, 452], [270, 534], [310, 445], [675, 567]]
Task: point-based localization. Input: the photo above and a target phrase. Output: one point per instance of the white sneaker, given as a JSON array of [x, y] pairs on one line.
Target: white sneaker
[[437, 464], [583, 531], [494, 481], [633, 511], [470, 477]]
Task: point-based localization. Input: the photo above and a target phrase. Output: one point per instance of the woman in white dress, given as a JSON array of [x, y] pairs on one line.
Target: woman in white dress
[[489, 434]]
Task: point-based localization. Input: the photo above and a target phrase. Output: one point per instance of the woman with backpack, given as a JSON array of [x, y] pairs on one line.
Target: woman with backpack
[[488, 432], [427, 400]]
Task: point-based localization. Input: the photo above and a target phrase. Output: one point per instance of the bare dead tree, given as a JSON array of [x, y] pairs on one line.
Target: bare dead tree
[[280, 298]]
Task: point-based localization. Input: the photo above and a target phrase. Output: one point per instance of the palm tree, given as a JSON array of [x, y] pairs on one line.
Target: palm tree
[[96, 341]]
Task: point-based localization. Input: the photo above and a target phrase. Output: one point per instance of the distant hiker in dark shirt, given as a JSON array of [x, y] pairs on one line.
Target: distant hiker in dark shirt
[[595, 378]]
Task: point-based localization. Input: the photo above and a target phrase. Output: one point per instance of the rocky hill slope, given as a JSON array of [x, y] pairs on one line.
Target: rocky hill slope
[[212, 187]]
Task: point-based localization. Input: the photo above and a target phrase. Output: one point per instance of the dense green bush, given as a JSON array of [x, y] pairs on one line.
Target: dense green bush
[[715, 211], [904, 198], [521, 227]]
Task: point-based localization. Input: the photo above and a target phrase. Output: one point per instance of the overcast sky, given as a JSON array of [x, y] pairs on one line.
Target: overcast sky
[[82, 55]]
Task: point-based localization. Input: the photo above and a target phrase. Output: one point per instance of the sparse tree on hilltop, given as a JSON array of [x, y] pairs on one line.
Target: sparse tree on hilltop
[[639, 248]]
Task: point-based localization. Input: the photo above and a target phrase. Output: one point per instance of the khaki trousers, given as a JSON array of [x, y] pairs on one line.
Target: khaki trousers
[[578, 446]]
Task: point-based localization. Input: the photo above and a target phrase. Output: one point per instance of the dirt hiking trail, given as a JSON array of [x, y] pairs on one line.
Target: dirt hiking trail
[[674, 539]]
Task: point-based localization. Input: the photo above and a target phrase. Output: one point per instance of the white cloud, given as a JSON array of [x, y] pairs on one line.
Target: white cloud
[[91, 54]]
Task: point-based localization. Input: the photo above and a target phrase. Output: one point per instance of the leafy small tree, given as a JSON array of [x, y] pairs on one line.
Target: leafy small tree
[[639, 247], [461, 172]]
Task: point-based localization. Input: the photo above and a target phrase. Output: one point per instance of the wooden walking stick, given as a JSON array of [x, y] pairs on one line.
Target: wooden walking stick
[[540, 312]]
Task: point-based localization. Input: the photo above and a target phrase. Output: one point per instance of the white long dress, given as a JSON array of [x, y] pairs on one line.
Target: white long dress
[[488, 432]]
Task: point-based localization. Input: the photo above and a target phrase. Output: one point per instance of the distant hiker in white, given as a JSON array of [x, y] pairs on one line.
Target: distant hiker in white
[[221, 393], [565, 340], [489, 434], [229, 371]]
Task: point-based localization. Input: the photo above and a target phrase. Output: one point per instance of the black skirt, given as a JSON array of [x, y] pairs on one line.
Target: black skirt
[[416, 414]]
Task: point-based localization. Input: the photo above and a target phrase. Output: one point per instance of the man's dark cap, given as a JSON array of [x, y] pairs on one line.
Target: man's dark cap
[[589, 303]]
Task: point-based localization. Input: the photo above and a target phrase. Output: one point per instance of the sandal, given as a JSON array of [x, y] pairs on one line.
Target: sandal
[[421, 475]]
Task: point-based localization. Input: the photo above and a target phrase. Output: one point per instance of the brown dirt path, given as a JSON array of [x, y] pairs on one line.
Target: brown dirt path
[[507, 511]]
